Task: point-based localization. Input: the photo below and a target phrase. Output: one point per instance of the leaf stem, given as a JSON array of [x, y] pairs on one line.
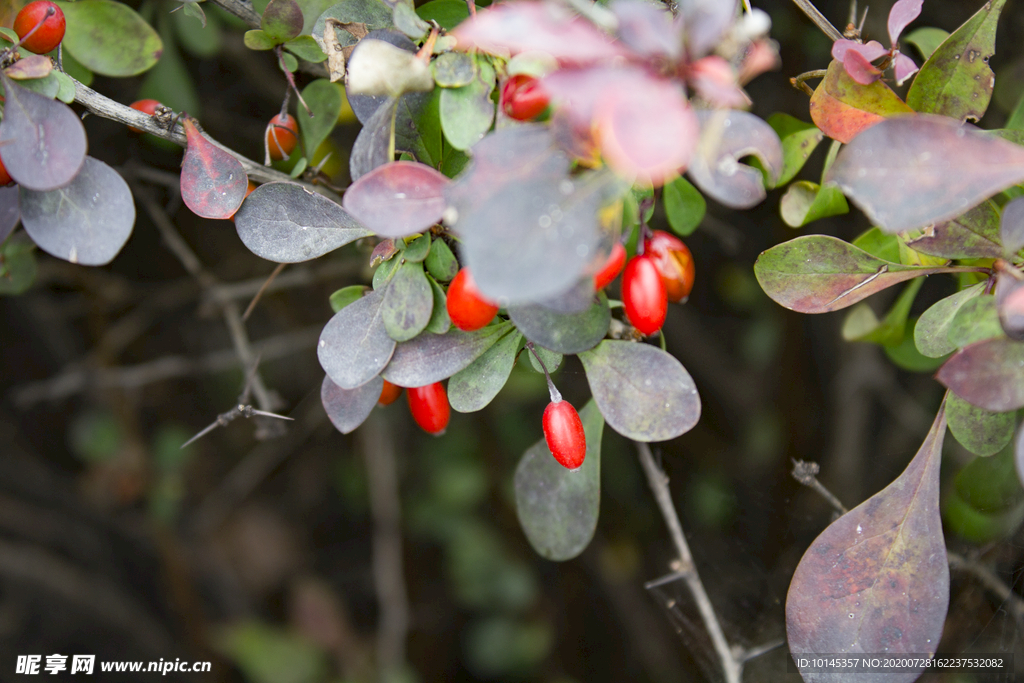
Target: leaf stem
[[556, 396]]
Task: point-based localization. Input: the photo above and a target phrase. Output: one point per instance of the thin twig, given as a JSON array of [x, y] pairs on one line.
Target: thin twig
[[684, 566], [819, 19], [259, 292], [807, 474], [388, 574]]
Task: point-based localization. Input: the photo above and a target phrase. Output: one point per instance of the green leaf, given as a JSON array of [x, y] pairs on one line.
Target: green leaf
[[408, 302], [468, 112], [347, 295], [109, 38], [861, 324], [926, 39], [932, 332], [644, 393], [440, 322], [311, 10], [169, 81], [989, 484], [453, 69], [447, 13], [384, 272], [475, 386], [805, 202], [551, 359], [200, 40], [977, 320], [258, 39], [974, 234], [563, 332], [880, 244], [65, 87], [408, 22], [684, 206], [324, 102], [980, 431], [558, 508], [441, 262], [841, 107], [194, 11], [48, 86], [17, 265], [289, 63], [267, 654], [282, 20], [373, 14], [418, 249], [818, 274], [956, 81], [73, 68], [304, 47], [799, 140]]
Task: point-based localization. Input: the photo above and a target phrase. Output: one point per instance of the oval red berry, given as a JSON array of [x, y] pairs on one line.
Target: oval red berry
[[674, 262], [147, 107], [643, 295], [429, 407], [467, 307], [49, 34], [563, 432], [282, 136], [389, 393], [611, 268], [523, 98]]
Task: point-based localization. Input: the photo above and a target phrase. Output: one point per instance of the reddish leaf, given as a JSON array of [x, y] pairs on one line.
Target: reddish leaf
[[842, 108], [818, 274], [213, 182], [901, 14], [34, 66], [540, 26], [910, 171], [988, 374], [877, 579], [43, 140], [727, 136], [398, 199]]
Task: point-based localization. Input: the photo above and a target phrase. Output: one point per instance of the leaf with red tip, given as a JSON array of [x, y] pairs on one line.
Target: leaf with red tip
[[644, 393], [988, 374], [44, 141], [213, 182], [558, 508], [727, 136], [286, 223], [877, 579], [910, 171], [819, 274], [842, 108], [398, 199], [537, 26], [349, 408], [87, 221]]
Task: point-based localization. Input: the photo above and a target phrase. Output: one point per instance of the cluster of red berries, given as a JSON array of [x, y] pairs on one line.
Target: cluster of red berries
[[661, 273]]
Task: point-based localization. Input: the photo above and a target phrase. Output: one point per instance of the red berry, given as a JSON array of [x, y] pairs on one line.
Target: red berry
[[643, 295], [523, 98], [49, 34], [429, 407], [467, 307], [282, 136], [611, 268], [674, 262], [147, 107], [389, 393], [563, 431]]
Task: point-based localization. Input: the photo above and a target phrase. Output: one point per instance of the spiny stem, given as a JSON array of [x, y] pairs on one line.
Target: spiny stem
[[819, 19]]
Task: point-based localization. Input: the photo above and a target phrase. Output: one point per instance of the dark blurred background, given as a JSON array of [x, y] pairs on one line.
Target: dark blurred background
[[258, 554]]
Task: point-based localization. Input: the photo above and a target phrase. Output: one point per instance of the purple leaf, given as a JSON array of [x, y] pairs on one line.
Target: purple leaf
[[286, 223], [349, 408], [43, 140], [903, 67], [901, 14], [910, 171], [398, 199], [860, 69], [647, 29], [1010, 304], [213, 182], [538, 26], [877, 579], [431, 358], [563, 332], [705, 22], [87, 221], [1011, 227], [988, 374], [870, 51], [354, 345], [375, 144], [726, 136]]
